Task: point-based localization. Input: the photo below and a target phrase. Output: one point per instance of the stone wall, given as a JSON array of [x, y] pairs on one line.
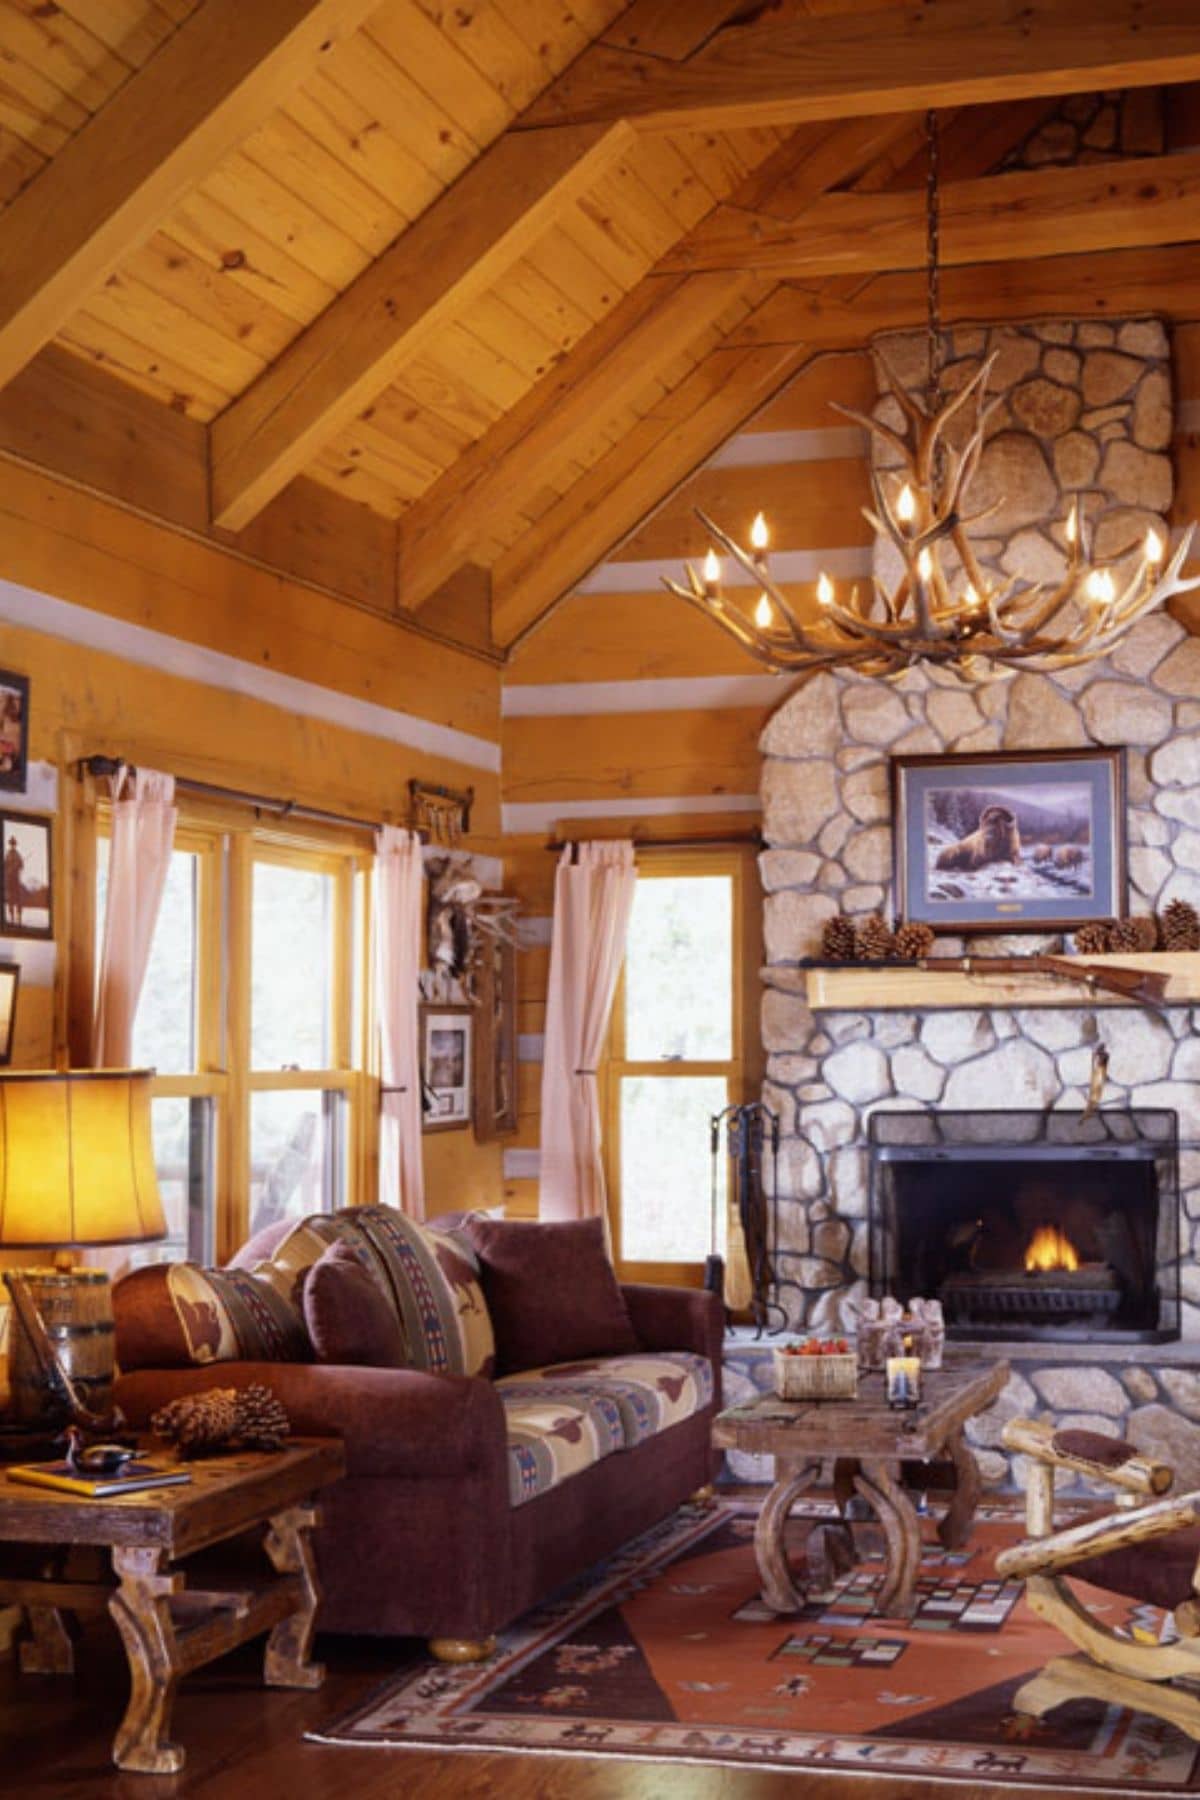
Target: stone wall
[[827, 826]]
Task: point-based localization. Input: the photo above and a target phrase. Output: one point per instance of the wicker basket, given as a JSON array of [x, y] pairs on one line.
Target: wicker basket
[[830, 1377]]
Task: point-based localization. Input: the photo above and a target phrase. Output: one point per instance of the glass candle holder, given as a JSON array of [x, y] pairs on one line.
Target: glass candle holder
[[903, 1376]]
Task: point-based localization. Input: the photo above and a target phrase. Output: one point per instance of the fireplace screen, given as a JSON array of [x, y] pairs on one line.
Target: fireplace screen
[[1029, 1224]]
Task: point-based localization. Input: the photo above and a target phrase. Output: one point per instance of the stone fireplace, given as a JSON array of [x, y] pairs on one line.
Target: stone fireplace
[[1057, 1227]]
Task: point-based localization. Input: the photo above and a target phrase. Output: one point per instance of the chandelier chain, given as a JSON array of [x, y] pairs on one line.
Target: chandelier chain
[[933, 228]]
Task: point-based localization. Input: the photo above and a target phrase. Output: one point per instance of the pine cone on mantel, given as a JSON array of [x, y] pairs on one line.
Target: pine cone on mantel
[[875, 941]]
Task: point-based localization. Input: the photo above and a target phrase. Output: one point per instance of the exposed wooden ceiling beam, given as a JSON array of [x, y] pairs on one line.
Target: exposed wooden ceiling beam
[[618, 359], [211, 84], [1043, 212], [718, 398], [453, 252], [1113, 285], [959, 52]]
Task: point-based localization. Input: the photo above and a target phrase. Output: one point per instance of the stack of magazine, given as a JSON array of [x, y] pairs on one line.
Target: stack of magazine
[[129, 1480]]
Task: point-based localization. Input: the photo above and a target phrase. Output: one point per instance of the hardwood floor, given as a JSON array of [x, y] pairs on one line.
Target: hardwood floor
[[245, 1742]]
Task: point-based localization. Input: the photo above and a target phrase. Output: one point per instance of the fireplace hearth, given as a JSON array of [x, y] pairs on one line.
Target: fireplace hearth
[[1030, 1225]]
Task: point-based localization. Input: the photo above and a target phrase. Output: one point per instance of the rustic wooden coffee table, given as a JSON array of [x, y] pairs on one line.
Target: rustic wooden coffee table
[[167, 1627], [867, 1443]]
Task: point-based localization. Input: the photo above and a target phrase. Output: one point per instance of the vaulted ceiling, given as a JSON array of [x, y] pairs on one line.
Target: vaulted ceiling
[[435, 303]]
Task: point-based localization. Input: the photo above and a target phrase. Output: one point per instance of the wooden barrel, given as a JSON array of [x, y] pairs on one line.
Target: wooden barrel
[[76, 1309]]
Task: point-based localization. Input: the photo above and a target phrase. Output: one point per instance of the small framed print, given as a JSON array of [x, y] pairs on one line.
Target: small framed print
[[10, 977], [14, 731], [447, 1034], [26, 898], [1030, 840]]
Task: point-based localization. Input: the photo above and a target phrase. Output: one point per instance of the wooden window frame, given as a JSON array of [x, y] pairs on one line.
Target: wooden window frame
[[741, 1069]]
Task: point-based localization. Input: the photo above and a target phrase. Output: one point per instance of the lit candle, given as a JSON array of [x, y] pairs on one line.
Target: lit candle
[[712, 572], [906, 505], [824, 590], [762, 612], [760, 537], [903, 1376], [1073, 525], [1100, 587], [925, 564], [1153, 548]]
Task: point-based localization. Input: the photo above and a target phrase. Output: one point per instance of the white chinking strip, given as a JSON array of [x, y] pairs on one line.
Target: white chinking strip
[[535, 930], [540, 815], [33, 611], [522, 1165], [752, 449], [685, 693], [843, 564], [530, 1046]]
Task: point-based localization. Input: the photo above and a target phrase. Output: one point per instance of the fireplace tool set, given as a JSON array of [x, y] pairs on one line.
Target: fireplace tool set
[[749, 1129]]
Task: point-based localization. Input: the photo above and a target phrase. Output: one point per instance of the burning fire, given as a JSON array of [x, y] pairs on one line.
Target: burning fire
[[1049, 1248]]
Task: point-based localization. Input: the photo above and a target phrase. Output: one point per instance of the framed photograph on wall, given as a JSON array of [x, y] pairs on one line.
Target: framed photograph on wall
[[26, 897], [447, 1034], [10, 978], [1000, 841], [14, 731]]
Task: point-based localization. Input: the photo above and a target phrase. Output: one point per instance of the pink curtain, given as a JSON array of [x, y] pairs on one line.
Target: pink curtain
[[143, 832], [399, 913], [593, 895]]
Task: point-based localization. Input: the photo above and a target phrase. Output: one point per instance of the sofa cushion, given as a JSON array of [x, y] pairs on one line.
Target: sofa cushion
[[433, 1280], [170, 1315], [552, 1436], [551, 1292], [650, 1391], [348, 1316]]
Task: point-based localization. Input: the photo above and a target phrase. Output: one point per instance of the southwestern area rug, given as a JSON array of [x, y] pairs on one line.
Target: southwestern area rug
[[665, 1652]]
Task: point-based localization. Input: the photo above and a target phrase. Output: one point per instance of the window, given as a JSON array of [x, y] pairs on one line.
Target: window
[[675, 1062], [251, 1015]]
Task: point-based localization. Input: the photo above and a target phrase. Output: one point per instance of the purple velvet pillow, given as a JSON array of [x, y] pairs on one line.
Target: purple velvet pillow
[[551, 1291], [349, 1317]]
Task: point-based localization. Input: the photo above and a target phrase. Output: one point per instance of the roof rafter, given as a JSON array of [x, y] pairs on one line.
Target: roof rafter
[[961, 52], [213, 82]]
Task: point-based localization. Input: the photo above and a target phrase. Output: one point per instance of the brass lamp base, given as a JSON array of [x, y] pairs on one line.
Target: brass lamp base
[[60, 1345]]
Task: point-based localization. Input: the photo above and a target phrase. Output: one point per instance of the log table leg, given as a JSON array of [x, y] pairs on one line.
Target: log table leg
[[779, 1591], [955, 1527], [901, 1528], [286, 1663], [141, 1610]]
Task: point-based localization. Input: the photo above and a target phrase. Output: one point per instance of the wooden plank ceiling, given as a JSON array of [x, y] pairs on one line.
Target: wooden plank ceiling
[[478, 285]]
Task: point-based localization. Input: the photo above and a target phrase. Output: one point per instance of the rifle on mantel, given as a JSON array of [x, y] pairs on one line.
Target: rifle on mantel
[[1144, 985]]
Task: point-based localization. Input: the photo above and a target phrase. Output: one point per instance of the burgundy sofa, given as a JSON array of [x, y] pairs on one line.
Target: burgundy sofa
[[420, 1538]]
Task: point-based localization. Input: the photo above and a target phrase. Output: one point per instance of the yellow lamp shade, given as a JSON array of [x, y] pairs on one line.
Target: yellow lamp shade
[[76, 1159]]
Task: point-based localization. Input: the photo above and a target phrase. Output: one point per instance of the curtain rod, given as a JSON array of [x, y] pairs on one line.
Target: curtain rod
[[281, 809], [752, 839]]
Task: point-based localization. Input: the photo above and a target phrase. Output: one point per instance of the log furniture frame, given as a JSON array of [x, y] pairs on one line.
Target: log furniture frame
[[867, 1442], [167, 1627], [1111, 1668]]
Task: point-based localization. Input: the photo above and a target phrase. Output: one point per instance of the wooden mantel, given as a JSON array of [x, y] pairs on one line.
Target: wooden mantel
[[862, 987]]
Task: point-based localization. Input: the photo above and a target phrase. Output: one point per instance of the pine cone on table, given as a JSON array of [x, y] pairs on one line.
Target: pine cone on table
[[1138, 933], [838, 942], [1179, 926], [874, 940], [219, 1418], [914, 940], [1094, 938]]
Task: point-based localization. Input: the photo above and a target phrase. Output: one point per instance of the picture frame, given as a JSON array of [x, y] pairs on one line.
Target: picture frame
[[14, 731], [27, 884], [10, 981], [1028, 840], [447, 1046], [496, 1042]]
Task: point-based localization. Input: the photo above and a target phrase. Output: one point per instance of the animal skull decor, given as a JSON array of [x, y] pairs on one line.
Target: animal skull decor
[[459, 915]]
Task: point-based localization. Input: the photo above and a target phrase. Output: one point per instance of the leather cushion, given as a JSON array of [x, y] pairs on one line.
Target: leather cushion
[[1158, 1573], [551, 1292]]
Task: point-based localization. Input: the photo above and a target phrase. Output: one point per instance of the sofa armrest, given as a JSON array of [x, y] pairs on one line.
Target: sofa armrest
[[397, 1422], [676, 1318]]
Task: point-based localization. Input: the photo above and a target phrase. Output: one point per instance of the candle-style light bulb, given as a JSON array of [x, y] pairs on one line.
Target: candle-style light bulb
[[762, 612], [971, 599], [924, 564], [1101, 587], [906, 505], [824, 589], [760, 536], [1073, 525], [712, 571], [1153, 548]]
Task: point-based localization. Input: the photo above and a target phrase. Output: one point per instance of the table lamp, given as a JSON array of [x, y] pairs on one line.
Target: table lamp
[[76, 1170]]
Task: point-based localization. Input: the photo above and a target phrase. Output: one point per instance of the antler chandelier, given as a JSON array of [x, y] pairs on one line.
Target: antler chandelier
[[961, 616]]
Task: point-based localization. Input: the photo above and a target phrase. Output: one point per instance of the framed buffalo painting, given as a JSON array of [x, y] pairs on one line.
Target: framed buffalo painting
[[1021, 841]]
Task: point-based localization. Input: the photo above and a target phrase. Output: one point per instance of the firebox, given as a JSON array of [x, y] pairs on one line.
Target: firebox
[[1056, 1225]]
